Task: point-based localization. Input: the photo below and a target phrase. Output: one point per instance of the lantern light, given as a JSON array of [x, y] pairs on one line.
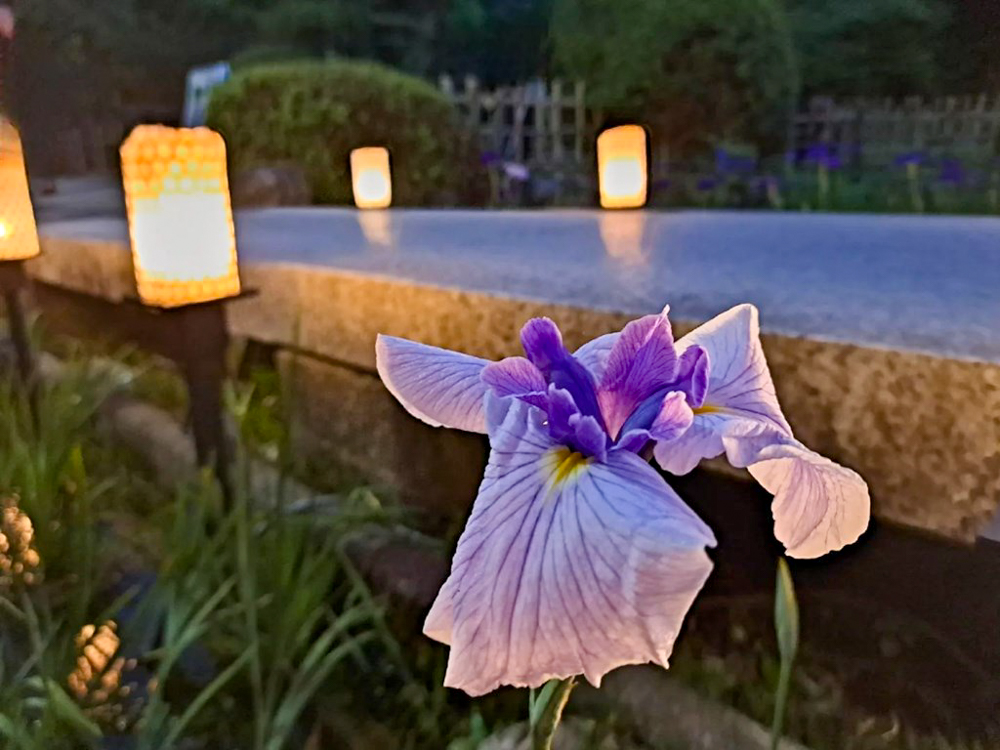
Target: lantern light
[[622, 167], [18, 234], [371, 177], [180, 216]]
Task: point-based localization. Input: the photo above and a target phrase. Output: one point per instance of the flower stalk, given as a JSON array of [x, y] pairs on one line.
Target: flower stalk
[[545, 711]]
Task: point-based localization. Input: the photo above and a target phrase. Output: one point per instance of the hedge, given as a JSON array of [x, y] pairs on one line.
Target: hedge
[[696, 72], [313, 113]]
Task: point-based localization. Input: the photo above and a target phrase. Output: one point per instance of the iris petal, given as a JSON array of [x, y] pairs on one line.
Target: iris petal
[[437, 386], [642, 361], [563, 575], [516, 376], [819, 506], [739, 401], [739, 379]]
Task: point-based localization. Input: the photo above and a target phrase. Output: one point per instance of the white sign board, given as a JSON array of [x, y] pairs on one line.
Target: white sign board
[[200, 82]]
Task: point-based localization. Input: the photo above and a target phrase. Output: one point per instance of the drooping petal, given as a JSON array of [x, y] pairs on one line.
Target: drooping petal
[[819, 506], [438, 386], [642, 362], [701, 440], [567, 566], [739, 381], [740, 401]]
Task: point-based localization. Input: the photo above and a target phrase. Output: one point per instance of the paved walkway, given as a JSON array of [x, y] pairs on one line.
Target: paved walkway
[[923, 283]]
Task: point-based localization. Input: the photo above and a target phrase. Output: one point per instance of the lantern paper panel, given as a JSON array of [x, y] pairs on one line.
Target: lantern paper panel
[[371, 177], [622, 167], [18, 233], [180, 216]]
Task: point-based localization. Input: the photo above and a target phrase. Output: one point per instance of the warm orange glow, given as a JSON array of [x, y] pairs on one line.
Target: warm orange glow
[[623, 234], [18, 235], [622, 168], [371, 177], [179, 215]]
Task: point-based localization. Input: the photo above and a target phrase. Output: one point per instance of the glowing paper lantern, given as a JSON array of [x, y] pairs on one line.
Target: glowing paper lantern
[[18, 235], [371, 177], [179, 215], [622, 168]]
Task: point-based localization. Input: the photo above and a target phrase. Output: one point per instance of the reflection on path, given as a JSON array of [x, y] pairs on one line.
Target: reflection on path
[[622, 233]]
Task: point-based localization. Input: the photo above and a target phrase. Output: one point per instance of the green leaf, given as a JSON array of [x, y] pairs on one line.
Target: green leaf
[[68, 712], [786, 626], [786, 613]]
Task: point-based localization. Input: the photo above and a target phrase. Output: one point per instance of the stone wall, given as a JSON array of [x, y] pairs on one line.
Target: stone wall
[[923, 430]]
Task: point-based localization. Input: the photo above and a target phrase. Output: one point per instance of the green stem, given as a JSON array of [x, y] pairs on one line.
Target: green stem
[[545, 718], [780, 703], [823, 186], [916, 198]]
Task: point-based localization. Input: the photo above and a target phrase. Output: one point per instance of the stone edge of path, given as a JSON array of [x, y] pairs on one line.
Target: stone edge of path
[[923, 430]]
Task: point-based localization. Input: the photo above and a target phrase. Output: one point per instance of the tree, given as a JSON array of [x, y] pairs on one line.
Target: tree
[[695, 72], [872, 47]]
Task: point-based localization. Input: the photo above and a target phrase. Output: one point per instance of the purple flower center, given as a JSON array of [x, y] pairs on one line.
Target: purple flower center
[[646, 391]]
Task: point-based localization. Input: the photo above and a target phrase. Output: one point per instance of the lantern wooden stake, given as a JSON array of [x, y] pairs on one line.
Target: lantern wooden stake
[[371, 177], [184, 252], [18, 243], [623, 172]]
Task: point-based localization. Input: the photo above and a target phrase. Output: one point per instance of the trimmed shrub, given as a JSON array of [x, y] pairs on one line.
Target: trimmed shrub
[[313, 113], [695, 72]]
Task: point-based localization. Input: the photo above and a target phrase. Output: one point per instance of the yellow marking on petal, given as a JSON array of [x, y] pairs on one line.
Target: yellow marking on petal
[[707, 409], [563, 464]]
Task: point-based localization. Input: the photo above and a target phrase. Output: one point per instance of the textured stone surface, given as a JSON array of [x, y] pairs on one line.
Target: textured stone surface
[[348, 417], [922, 427]]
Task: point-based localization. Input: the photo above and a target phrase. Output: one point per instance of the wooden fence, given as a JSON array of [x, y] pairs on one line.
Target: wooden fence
[[550, 125], [964, 127], [546, 124]]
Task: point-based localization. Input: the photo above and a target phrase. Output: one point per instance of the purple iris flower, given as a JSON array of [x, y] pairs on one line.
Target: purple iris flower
[[952, 172], [910, 159], [822, 155], [516, 172], [727, 163], [489, 158], [578, 557]]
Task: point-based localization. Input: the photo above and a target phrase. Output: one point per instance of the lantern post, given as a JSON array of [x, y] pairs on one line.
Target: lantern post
[[18, 243], [184, 256]]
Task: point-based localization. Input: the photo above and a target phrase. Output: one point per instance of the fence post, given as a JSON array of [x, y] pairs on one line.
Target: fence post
[[579, 119]]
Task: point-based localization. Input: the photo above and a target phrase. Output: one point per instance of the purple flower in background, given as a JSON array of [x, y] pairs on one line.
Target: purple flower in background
[[910, 159], [952, 172], [706, 184], [727, 163], [516, 172], [822, 155], [489, 158], [578, 557]]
